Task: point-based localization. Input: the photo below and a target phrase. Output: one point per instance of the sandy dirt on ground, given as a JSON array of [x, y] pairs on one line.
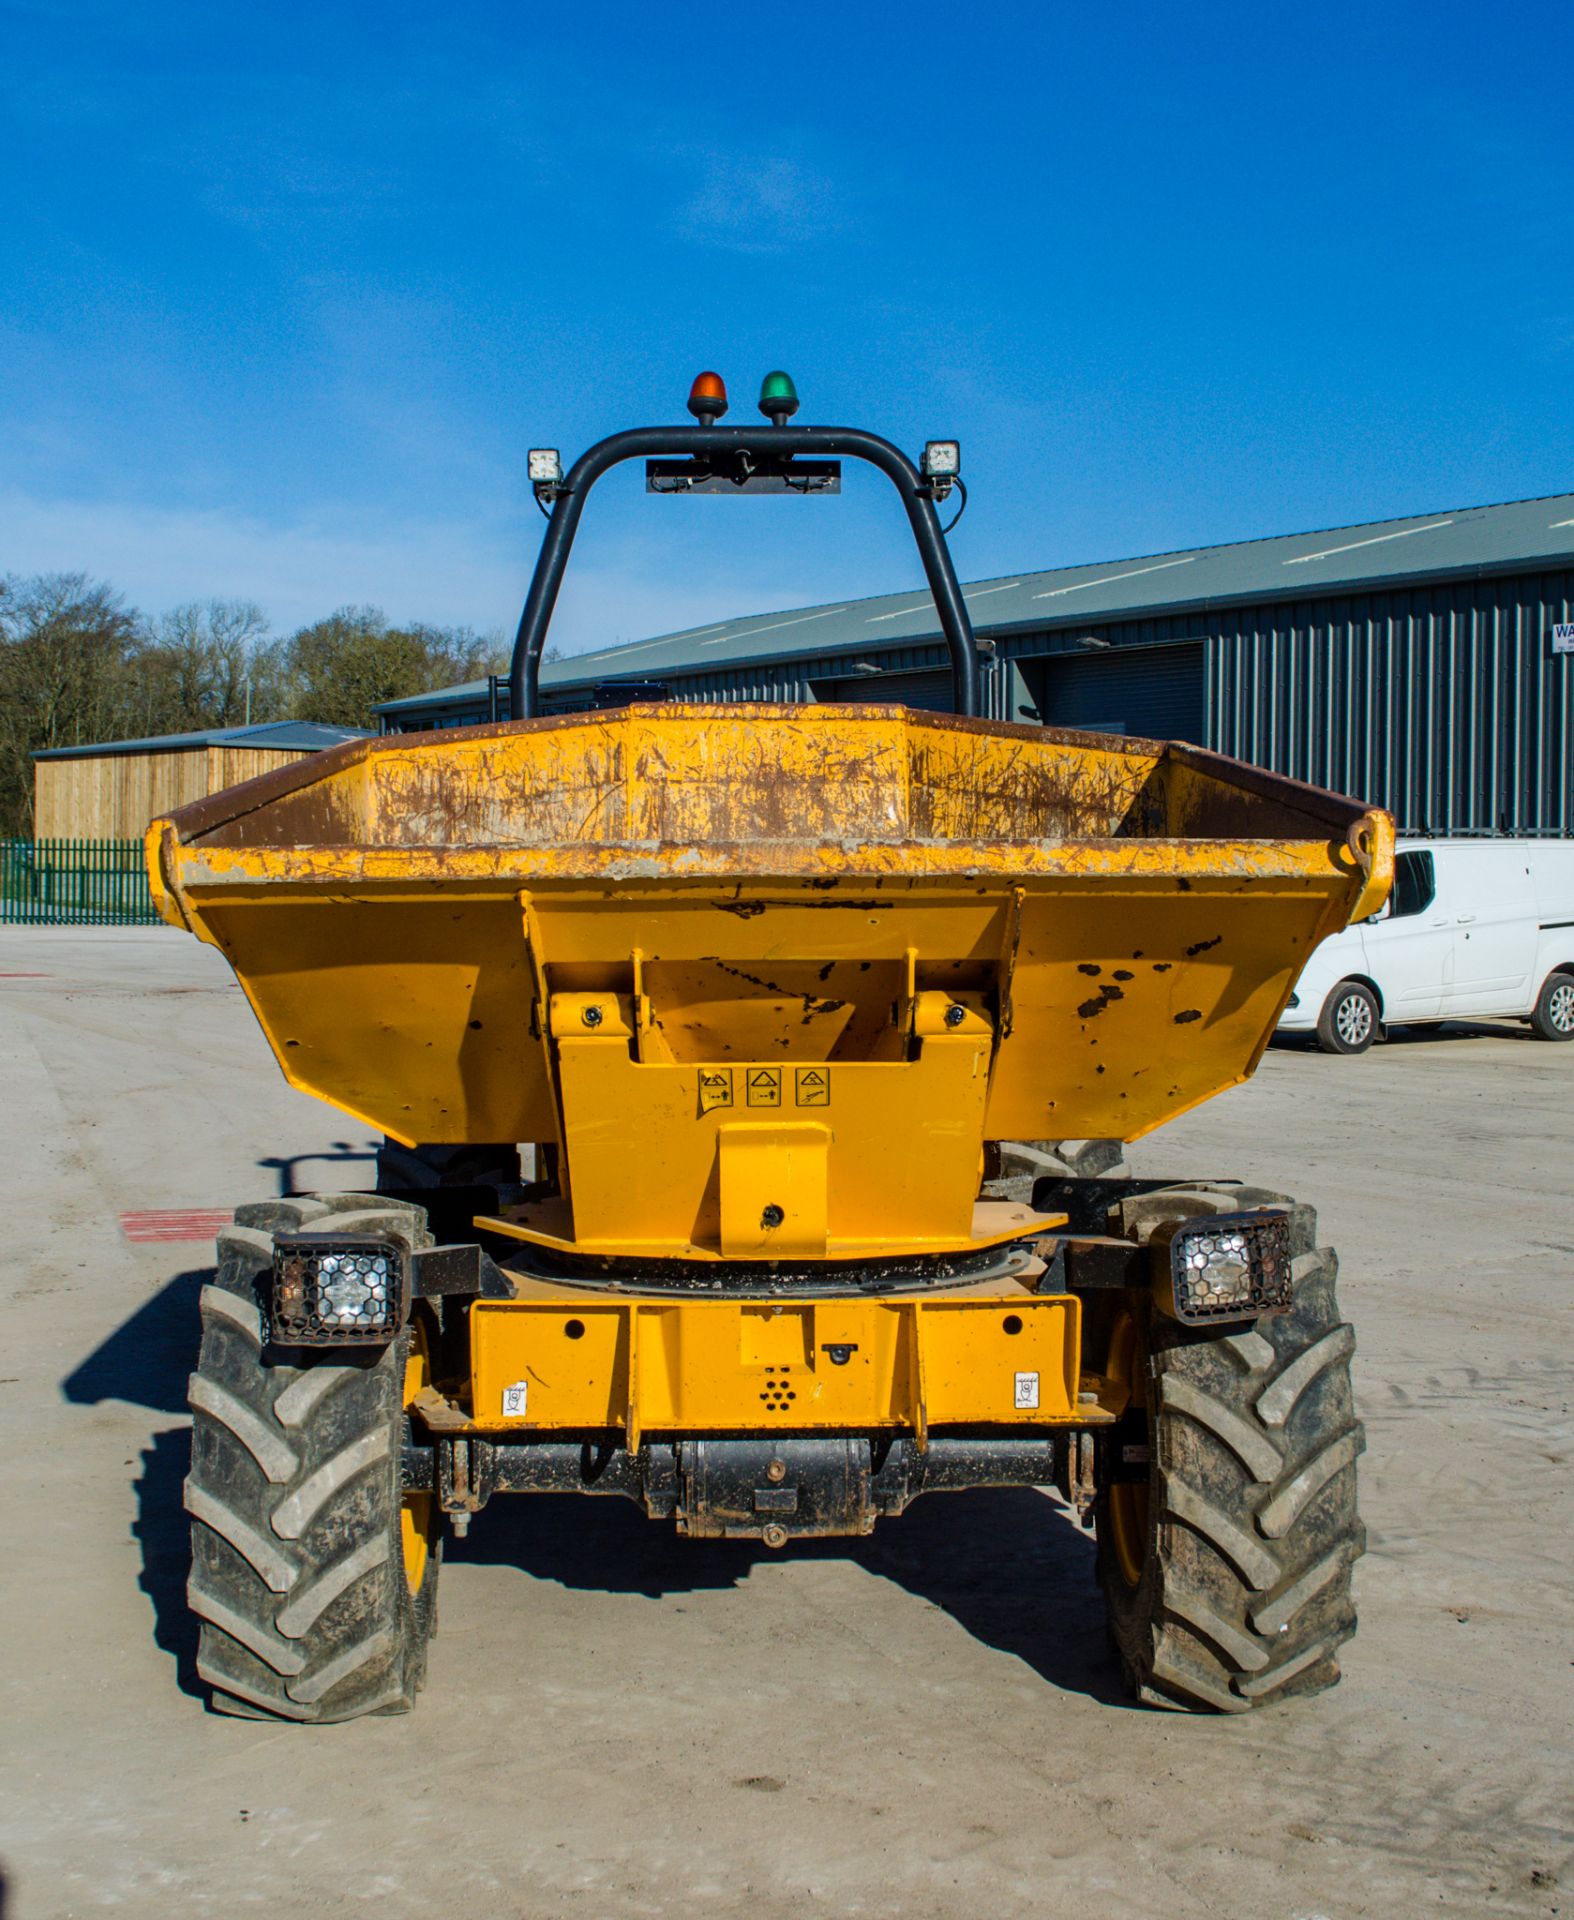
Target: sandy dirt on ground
[[620, 1723]]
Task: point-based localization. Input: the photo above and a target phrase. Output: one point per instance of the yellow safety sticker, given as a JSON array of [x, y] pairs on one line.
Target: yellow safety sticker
[[715, 1088], [812, 1086], [762, 1086]]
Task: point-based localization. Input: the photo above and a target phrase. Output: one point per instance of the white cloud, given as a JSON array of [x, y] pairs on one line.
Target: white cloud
[[447, 573], [759, 205]]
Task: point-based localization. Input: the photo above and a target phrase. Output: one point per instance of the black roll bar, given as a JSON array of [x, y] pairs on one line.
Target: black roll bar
[[741, 447]]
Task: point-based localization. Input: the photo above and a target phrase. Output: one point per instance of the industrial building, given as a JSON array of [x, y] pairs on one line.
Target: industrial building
[[1425, 664], [111, 789]]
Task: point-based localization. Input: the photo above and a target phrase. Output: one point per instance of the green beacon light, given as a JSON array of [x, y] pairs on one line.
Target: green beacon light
[[778, 398]]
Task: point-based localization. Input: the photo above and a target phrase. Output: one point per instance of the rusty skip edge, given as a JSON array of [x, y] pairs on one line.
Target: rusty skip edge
[[902, 866]]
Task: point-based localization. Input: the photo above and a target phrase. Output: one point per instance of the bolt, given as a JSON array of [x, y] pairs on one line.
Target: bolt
[[774, 1536], [461, 1524], [776, 1470], [591, 1016], [955, 1015]]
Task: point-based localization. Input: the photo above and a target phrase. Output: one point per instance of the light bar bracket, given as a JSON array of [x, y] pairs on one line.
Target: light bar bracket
[[724, 450]]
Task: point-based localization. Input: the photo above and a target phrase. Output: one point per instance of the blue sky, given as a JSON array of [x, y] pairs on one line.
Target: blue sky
[[287, 291]]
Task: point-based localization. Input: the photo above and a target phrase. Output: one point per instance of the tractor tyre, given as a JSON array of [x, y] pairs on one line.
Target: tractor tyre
[[1085, 1159], [313, 1578], [1014, 1167], [1226, 1561]]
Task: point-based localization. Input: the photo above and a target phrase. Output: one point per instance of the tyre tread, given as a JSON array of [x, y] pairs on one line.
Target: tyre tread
[[1245, 1595], [297, 1579]]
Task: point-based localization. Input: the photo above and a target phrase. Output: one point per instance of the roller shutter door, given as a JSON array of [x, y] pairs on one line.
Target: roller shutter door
[[1156, 691], [931, 691]]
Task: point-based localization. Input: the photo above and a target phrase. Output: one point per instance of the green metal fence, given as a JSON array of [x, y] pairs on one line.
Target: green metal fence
[[74, 883]]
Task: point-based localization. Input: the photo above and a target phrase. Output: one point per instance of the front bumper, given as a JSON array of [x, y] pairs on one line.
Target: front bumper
[[567, 1358]]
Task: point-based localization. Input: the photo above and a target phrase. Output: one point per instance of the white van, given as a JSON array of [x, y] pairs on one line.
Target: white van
[[1473, 930]]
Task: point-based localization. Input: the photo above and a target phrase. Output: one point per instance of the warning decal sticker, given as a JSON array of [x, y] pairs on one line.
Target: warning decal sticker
[[1027, 1392], [715, 1088], [762, 1086], [812, 1086]]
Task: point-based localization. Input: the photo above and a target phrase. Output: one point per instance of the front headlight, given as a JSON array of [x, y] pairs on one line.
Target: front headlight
[[1229, 1266], [337, 1289]]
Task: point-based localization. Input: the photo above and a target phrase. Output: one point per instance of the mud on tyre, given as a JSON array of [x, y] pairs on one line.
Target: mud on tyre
[[313, 1579], [1226, 1568]]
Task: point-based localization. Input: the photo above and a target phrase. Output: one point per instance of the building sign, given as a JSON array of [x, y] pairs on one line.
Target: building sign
[[1563, 637]]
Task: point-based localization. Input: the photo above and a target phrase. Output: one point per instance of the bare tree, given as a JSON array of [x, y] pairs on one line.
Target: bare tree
[[341, 669], [212, 667], [69, 651], [77, 666]]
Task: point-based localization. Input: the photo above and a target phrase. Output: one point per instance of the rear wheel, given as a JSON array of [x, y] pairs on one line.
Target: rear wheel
[[1348, 1022], [1014, 1167], [313, 1576], [1553, 1017], [1226, 1563]]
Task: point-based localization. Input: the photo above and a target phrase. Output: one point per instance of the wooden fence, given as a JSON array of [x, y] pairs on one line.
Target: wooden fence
[[74, 883]]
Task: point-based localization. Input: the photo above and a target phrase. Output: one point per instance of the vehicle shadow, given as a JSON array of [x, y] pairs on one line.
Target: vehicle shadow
[[146, 1362], [163, 1536], [342, 1153], [1009, 1565], [1422, 1033], [147, 1359]]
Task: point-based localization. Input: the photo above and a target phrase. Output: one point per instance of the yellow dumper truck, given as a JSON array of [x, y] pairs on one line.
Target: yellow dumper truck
[[767, 994]]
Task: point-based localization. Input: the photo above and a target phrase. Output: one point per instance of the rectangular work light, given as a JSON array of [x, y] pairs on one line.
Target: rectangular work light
[[942, 459], [544, 466], [338, 1289], [1229, 1266]]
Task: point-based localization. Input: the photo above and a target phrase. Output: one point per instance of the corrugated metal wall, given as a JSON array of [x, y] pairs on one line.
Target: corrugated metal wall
[[1445, 704]]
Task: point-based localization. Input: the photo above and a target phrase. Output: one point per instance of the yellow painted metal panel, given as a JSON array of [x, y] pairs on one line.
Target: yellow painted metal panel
[[652, 1171], [569, 1358]]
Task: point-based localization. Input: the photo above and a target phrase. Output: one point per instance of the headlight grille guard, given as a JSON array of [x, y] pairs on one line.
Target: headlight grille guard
[[1229, 1266], [338, 1289]]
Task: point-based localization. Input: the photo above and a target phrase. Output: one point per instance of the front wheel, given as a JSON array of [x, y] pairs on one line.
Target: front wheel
[[1349, 1020], [1225, 1558], [1553, 1016], [313, 1574]]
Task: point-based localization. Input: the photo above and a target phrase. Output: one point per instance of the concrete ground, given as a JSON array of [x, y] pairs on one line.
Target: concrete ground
[[619, 1723]]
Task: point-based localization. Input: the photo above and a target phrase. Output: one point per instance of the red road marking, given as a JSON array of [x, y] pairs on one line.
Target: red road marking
[[24, 976], [174, 1223]]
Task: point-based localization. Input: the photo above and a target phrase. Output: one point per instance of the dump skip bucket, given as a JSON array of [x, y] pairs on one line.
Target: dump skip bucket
[[680, 943]]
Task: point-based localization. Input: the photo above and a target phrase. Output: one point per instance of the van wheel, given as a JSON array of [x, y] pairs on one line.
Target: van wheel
[[1349, 1019], [1553, 1018]]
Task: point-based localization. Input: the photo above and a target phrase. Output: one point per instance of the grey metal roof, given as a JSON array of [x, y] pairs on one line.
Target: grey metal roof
[[304, 736], [1377, 553]]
